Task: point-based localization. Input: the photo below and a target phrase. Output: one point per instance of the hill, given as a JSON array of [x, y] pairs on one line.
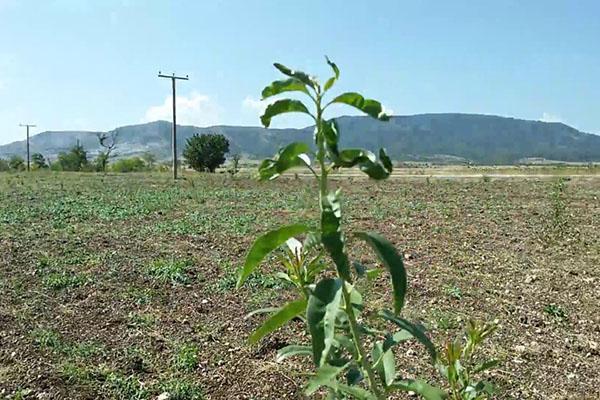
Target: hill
[[476, 138]]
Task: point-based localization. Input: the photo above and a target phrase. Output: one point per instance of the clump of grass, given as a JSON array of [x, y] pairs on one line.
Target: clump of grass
[[139, 320], [179, 389], [72, 372], [170, 271], [125, 387], [139, 296], [46, 338], [186, 357], [84, 350], [64, 280]]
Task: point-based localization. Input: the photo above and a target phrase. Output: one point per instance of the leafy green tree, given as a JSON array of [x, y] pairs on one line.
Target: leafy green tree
[[38, 161], [4, 165], [16, 163], [73, 160], [206, 152]]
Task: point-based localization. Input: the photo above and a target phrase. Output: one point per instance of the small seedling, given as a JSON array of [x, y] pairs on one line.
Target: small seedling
[[454, 292], [459, 365], [556, 311]]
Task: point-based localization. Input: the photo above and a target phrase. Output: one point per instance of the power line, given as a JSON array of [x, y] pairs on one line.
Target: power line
[[174, 131], [28, 126]]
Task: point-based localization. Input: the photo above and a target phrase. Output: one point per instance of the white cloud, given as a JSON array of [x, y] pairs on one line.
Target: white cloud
[[254, 105], [388, 111], [547, 117], [195, 109]]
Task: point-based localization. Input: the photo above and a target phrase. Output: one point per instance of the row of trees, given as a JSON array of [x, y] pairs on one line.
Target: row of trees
[[201, 153]]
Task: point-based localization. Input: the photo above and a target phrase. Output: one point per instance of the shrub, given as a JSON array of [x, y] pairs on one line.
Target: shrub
[[133, 164], [4, 165], [16, 163]]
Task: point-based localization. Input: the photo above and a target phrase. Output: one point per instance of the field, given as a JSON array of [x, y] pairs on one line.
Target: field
[[122, 286]]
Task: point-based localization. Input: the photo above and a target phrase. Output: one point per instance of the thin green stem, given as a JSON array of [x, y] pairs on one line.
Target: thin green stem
[[323, 192], [362, 356]]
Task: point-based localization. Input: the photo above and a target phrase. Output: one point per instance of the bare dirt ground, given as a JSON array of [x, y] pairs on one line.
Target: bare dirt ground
[[122, 286]]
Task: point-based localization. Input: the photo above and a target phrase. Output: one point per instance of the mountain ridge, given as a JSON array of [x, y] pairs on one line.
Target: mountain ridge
[[479, 138]]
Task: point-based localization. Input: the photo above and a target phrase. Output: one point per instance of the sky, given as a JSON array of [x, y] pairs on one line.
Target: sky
[[92, 65]]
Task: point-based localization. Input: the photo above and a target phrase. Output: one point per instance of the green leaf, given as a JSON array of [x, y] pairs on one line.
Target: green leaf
[[334, 78], [278, 319], [421, 387], [414, 330], [398, 337], [385, 160], [366, 161], [331, 134], [323, 305], [348, 158], [393, 262], [356, 392], [334, 67], [384, 363], [301, 76], [324, 376], [331, 234], [373, 273], [293, 155], [266, 310], [485, 366], [281, 107], [286, 85], [354, 376], [266, 244], [293, 350], [368, 106]]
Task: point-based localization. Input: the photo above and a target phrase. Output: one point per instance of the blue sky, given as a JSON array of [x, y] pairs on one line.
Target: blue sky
[[76, 64]]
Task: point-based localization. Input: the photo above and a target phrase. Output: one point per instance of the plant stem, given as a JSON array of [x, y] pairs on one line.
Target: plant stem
[[362, 357], [323, 192]]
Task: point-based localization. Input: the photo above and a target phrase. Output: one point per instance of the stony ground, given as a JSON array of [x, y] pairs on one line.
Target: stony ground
[[123, 286]]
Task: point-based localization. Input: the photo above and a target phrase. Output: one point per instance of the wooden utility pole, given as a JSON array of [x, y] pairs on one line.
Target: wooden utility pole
[[174, 131], [28, 126]]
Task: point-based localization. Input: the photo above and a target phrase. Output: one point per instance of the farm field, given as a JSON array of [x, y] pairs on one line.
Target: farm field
[[123, 286]]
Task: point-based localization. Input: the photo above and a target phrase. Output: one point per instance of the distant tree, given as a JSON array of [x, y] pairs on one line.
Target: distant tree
[[108, 140], [206, 152], [38, 161], [16, 163], [150, 159], [235, 162], [73, 160], [4, 165]]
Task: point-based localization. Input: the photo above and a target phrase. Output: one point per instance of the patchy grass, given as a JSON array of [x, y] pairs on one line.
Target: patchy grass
[[170, 271], [123, 286]]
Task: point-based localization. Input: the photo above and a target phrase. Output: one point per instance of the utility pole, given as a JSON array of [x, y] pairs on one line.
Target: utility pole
[[174, 132], [28, 126]]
